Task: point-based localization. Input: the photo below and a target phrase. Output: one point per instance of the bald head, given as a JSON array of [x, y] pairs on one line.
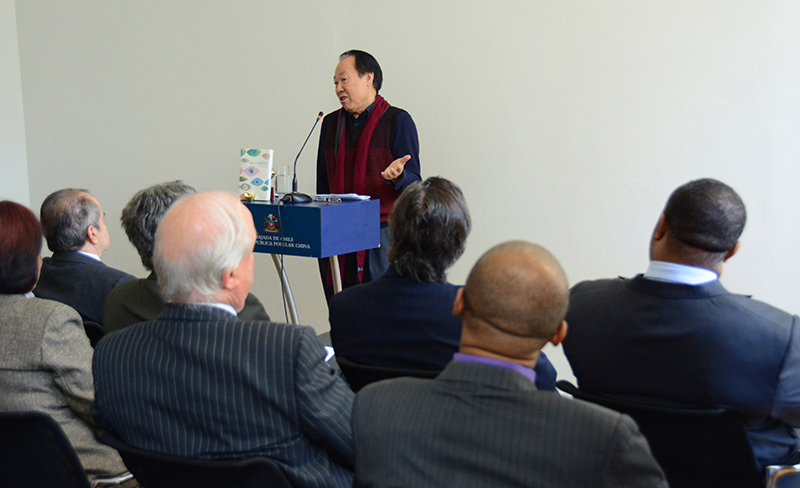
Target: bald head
[[201, 239], [516, 290]]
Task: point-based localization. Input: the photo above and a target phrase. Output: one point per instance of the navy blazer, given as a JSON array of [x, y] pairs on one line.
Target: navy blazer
[[78, 281], [196, 382], [689, 345], [396, 322]]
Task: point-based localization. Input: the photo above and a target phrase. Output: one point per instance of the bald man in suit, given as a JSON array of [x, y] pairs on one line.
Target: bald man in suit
[[482, 422], [198, 382]]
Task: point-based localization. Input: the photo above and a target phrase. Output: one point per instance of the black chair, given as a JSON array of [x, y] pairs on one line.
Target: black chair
[[359, 375], [695, 448], [34, 452], [162, 471], [94, 331]]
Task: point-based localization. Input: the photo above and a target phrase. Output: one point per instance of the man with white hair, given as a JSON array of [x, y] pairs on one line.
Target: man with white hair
[[197, 382]]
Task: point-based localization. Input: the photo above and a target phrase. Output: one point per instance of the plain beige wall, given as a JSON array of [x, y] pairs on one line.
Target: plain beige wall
[[13, 161], [565, 123]]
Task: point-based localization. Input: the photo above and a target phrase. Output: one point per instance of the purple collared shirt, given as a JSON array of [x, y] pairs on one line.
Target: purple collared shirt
[[471, 358]]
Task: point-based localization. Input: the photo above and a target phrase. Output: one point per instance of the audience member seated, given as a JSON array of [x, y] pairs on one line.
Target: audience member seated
[[404, 319], [675, 335], [197, 382], [139, 300], [75, 231], [482, 421], [45, 357]]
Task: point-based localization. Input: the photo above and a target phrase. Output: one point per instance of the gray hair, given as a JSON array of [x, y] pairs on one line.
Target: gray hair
[[66, 215], [144, 211], [192, 254]]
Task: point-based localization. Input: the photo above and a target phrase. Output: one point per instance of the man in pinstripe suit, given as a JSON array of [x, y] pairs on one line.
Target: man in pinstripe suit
[[482, 422], [197, 382]]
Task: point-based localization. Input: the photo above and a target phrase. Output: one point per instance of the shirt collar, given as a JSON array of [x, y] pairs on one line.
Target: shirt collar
[[90, 255], [471, 358], [222, 306], [679, 273], [362, 116]]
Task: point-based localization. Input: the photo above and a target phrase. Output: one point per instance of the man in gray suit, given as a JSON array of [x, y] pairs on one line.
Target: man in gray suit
[[74, 227], [482, 422], [198, 382]]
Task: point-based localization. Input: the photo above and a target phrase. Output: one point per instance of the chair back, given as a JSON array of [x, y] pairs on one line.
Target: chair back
[[94, 331], [695, 447], [360, 375], [155, 470], [35, 452]]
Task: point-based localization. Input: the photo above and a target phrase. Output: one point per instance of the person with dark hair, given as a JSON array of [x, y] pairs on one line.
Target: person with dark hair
[[139, 300], [675, 335], [404, 319], [367, 147], [45, 356], [482, 421], [75, 230]]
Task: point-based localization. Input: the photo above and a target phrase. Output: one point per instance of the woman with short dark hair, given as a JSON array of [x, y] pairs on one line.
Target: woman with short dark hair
[[45, 356]]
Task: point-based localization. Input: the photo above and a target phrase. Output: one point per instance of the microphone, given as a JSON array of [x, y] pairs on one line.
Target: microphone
[[295, 196]]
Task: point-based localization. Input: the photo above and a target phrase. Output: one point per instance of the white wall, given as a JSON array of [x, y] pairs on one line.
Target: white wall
[[566, 123], [13, 162]]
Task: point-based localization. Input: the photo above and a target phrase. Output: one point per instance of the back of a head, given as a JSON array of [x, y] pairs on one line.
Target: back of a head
[[200, 238], [517, 289], [366, 63], [706, 214], [66, 214], [144, 211], [428, 226], [20, 248]]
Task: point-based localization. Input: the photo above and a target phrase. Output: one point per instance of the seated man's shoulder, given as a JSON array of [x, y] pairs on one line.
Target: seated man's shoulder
[[590, 287]]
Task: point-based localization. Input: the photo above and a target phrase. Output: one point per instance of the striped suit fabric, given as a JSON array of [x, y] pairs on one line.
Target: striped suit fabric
[[196, 382], [478, 425]]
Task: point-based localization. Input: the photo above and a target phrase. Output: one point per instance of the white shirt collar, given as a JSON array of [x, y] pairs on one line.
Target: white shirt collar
[[222, 306], [90, 255], [679, 273]]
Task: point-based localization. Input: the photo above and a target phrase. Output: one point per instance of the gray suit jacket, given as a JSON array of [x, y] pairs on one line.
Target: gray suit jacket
[[78, 281], [197, 382], [478, 425], [45, 366]]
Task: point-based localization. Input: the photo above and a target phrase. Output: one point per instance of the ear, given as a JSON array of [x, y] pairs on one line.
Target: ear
[[230, 280], [458, 303], [369, 78], [732, 251], [560, 334], [92, 234], [661, 228]]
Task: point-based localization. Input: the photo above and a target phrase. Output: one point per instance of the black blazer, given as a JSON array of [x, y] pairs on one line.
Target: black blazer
[[78, 281], [698, 346]]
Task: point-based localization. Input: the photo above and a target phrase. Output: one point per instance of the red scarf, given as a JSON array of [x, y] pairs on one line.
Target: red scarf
[[360, 170]]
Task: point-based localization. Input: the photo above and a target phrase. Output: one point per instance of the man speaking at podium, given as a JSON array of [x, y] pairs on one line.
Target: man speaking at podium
[[367, 147]]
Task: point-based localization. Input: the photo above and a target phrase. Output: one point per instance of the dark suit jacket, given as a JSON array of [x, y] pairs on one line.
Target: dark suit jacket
[[690, 345], [78, 281], [196, 382], [396, 322], [138, 300], [478, 425]]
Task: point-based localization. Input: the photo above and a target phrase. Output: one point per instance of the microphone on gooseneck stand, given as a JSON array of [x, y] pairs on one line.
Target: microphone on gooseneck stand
[[295, 196]]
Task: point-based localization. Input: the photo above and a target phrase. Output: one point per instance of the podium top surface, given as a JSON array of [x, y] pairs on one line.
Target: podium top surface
[[316, 229]]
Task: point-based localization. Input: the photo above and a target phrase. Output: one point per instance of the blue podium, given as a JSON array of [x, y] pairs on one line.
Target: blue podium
[[314, 229]]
